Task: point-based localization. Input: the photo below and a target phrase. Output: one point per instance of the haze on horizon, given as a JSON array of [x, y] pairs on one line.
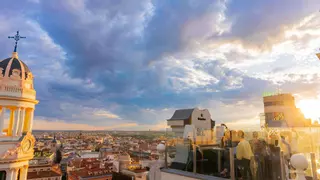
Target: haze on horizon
[[127, 65]]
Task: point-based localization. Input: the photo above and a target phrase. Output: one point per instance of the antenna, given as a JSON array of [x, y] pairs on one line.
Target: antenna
[[278, 90]]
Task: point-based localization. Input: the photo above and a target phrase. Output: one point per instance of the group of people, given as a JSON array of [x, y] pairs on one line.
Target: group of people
[[255, 159]]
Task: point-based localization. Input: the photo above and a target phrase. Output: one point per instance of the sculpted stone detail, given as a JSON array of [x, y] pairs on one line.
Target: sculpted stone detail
[[15, 74], [1, 72], [23, 147], [29, 76], [11, 152], [27, 143]]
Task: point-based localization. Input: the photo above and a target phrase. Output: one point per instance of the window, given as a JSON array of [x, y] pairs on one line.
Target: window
[[275, 116], [18, 174], [268, 104], [274, 103], [3, 175], [278, 116]]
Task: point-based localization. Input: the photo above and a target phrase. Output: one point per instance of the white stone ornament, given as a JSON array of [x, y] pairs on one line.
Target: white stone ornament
[[1, 72], [161, 148], [300, 163]]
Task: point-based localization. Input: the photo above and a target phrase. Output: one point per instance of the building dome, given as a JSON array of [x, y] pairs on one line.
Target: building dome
[[14, 67], [16, 79], [17, 95]]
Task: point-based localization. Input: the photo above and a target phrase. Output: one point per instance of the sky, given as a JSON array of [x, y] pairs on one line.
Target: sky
[[129, 64]]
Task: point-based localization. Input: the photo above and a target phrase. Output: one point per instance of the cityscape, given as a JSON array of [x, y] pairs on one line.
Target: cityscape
[[159, 90]]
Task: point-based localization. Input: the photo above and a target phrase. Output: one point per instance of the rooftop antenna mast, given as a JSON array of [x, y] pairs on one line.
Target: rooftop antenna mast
[[278, 90], [318, 54]]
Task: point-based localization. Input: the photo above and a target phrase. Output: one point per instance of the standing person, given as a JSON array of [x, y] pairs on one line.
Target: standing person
[[254, 141], [294, 142], [244, 154], [256, 150], [286, 148], [225, 141]]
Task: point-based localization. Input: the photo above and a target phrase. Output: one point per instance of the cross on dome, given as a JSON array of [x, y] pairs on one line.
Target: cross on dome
[[17, 37]]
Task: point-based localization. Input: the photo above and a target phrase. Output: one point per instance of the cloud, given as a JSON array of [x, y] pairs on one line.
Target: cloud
[[262, 23], [106, 114], [63, 125], [42, 124], [246, 124]]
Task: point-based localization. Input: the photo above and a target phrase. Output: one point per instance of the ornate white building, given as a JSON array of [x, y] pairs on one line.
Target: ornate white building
[[18, 99]]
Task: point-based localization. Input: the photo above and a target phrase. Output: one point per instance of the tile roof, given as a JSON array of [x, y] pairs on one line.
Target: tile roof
[[181, 114], [42, 174]]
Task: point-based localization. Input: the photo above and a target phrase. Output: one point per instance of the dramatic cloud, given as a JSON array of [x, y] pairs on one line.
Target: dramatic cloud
[[108, 64]]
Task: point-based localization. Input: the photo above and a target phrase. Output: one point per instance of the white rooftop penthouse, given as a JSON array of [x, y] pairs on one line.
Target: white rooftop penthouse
[[200, 118]]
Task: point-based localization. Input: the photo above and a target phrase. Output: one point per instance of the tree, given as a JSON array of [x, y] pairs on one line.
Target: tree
[[58, 157]]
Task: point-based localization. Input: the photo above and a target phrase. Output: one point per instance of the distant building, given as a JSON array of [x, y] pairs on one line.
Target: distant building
[[201, 119], [55, 144], [90, 168], [105, 152], [124, 161], [89, 154], [41, 157], [42, 166], [44, 172], [280, 111], [137, 174]]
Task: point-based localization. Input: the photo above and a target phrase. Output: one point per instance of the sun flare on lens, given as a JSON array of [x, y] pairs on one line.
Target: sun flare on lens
[[310, 108]]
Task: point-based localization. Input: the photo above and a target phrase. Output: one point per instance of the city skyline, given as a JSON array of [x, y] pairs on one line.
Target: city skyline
[[113, 65]]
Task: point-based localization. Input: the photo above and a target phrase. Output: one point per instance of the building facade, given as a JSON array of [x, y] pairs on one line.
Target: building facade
[[200, 118], [18, 99], [90, 168], [280, 111]]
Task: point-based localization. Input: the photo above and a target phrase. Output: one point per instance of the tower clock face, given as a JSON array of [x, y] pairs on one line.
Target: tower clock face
[[26, 146]]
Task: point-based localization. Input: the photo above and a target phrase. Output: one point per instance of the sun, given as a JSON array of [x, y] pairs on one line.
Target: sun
[[310, 108]]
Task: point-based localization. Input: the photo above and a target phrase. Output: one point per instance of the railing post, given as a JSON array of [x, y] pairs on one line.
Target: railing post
[[313, 166], [219, 161], [231, 155], [282, 166], [166, 151], [194, 158]]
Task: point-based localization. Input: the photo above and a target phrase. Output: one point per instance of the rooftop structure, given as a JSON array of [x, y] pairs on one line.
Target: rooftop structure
[[280, 111], [18, 97], [90, 168], [46, 171], [201, 119], [138, 174]]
